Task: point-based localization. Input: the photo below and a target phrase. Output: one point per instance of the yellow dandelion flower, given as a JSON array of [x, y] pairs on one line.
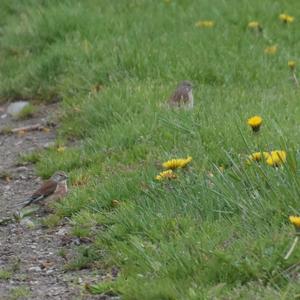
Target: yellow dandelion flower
[[257, 156], [295, 221], [177, 163], [286, 18], [61, 149], [205, 24], [255, 123], [271, 50], [276, 158], [168, 174], [292, 64], [254, 25]]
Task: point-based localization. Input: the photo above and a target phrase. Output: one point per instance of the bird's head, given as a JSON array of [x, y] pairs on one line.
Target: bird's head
[[59, 176], [186, 84]]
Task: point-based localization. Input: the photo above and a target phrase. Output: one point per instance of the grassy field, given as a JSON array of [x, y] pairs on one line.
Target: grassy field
[[220, 230]]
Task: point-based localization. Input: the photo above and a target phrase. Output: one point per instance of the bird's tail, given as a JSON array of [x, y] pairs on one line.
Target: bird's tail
[[28, 201], [24, 203], [33, 198]]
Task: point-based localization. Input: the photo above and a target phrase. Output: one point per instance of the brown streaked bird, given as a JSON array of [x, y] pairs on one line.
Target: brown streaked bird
[[183, 96], [52, 189]]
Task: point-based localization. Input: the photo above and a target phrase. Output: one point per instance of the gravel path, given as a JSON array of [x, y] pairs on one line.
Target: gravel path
[[30, 264]]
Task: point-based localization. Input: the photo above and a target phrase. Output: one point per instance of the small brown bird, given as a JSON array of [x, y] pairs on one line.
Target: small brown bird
[[52, 189], [183, 96]]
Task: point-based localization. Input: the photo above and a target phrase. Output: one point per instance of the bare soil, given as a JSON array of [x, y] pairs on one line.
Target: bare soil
[[31, 264]]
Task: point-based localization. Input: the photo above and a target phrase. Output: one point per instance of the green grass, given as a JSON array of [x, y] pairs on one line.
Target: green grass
[[5, 274], [114, 64], [27, 112], [21, 292]]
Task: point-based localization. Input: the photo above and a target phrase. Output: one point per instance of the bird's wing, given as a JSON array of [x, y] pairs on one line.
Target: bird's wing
[[47, 188]]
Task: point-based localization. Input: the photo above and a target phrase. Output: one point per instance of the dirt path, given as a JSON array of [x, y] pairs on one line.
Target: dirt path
[[30, 264]]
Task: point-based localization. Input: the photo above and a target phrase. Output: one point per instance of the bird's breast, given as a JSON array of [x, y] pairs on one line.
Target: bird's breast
[[61, 189]]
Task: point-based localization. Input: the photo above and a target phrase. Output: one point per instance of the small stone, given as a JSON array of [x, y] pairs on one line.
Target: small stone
[[48, 145], [16, 107], [62, 231], [35, 269], [76, 241], [3, 116], [21, 169]]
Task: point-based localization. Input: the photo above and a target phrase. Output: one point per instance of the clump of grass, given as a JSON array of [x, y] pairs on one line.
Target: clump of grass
[[27, 112], [85, 258], [51, 221], [5, 130], [62, 253], [21, 292], [104, 288], [5, 274], [32, 157], [79, 231]]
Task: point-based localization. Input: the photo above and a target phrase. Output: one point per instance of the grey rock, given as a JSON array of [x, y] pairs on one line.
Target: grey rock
[[35, 269], [49, 145], [62, 231], [22, 169], [16, 107]]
